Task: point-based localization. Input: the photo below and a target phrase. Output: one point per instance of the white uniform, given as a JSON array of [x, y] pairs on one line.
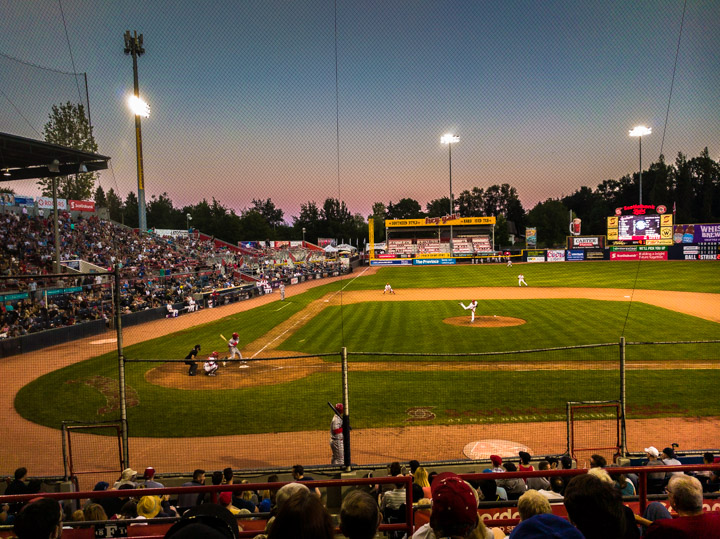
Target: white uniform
[[509, 264], [472, 306], [336, 440], [521, 280], [233, 349], [388, 289], [210, 366], [282, 292]]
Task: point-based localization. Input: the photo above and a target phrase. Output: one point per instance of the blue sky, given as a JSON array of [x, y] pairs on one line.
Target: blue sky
[[541, 93]]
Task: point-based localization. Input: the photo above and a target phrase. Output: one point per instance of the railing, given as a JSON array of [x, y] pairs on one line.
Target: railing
[[407, 526]]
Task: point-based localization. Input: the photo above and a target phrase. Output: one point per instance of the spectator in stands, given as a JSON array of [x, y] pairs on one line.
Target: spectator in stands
[[298, 473], [525, 465], [597, 461], [359, 515], [566, 462], [515, 486], [225, 500], [208, 521], [17, 486], [454, 512], [185, 501], [668, 458], [420, 478], [41, 519], [154, 507], [302, 516], [533, 503], [94, 512], [655, 481], [596, 509], [540, 483], [127, 477], [557, 486], [554, 462], [496, 463], [686, 498], [622, 483], [393, 499], [149, 477], [490, 492], [128, 511], [544, 526]]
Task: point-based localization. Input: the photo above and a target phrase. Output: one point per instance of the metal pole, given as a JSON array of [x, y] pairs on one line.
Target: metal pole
[[640, 141], [142, 220], [55, 224], [121, 370], [452, 202], [346, 411], [623, 434]]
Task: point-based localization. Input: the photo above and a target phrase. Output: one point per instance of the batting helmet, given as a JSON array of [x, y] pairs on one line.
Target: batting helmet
[[235, 335], [214, 354], [339, 407]]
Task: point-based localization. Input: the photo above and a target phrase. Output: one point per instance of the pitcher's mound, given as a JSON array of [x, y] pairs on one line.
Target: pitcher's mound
[[482, 449], [484, 321]]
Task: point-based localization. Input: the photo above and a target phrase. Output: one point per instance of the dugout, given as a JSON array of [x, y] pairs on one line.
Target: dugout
[[442, 240]]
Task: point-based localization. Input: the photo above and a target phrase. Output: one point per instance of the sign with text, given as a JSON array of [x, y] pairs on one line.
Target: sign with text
[[531, 237], [47, 203], [82, 205], [586, 242], [440, 221]]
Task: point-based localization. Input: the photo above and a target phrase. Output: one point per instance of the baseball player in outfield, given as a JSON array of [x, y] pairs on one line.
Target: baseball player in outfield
[[282, 292], [336, 436], [388, 289], [472, 306], [232, 348], [210, 365], [521, 280]]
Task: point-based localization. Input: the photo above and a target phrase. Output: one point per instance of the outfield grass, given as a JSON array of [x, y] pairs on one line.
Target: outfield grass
[[417, 326], [681, 275]]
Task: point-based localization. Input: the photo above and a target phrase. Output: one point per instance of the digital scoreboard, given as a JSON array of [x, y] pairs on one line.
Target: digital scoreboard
[[638, 227]]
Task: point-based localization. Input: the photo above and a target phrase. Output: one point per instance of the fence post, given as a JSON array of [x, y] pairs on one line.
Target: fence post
[[623, 435], [124, 458], [346, 410]]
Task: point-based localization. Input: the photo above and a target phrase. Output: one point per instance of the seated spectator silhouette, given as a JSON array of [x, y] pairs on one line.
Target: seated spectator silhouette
[[17, 486], [359, 515], [686, 498], [302, 516], [41, 519], [207, 521], [540, 483], [596, 509], [515, 486], [655, 481], [669, 459], [545, 526], [533, 503], [598, 461], [186, 501]]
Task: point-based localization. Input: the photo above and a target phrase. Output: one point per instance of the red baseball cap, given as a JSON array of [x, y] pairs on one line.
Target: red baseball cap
[[496, 460], [454, 503], [225, 498]]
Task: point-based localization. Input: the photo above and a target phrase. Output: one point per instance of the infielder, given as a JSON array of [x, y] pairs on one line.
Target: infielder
[[521, 280], [509, 264], [211, 365], [388, 289], [336, 436], [232, 348], [472, 306], [282, 292]]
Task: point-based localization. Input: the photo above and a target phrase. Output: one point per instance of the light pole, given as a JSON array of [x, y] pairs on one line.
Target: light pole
[[449, 138], [638, 131], [188, 218], [303, 237], [134, 47]]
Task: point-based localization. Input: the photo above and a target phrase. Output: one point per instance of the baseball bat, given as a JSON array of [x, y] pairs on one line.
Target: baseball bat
[[334, 409], [223, 337]]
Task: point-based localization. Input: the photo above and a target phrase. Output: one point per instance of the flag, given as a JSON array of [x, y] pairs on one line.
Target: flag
[[674, 209]]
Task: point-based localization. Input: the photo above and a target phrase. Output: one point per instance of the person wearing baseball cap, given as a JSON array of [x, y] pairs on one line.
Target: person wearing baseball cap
[[454, 510], [655, 480], [149, 477], [497, 463], [336, 436], [127, 477]]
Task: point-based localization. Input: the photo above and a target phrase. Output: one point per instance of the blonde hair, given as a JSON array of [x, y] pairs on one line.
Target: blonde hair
[[421, 477], [78, 516], [533, 503], [601, 474]]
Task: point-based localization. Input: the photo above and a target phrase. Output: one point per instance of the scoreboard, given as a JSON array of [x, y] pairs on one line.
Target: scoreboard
[[638, 227]]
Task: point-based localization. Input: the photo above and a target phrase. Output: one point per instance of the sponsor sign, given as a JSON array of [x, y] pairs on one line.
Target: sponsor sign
[[390, 262], [433, 261], [652, 248], [580, 242], [653, 255], [169, 233], [447, 220], [575, 254], [531, 237], [47, 203], [294, 280], [594, 255], [386, 255], [703, 233], [691, 249], [620, 255], [638, 255], [556, 255], [667, 241], [28, 202], [6, 199], [536, 259], [82, 205], [433, 255]]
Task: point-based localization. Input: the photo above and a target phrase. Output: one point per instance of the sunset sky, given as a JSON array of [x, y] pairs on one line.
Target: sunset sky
[[243, 93]]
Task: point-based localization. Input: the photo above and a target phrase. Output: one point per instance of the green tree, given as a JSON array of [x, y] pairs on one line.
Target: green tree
[[266, 208], [379, 214], [162, 214], [471, 203], [406, 208], [706, 184], [115, 206], [551, 219], [68, 126], [310, 220], [100, 198], [130, 210], [438, 207]]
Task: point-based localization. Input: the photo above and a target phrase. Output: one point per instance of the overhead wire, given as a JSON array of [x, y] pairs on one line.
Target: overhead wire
[[672, 82]]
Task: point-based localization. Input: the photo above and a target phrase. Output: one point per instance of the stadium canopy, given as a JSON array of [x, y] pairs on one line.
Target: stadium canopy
[[346, 248], [24, 158]]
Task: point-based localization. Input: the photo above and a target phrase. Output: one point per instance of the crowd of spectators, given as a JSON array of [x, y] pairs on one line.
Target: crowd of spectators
[[593, 502], [154, 271]]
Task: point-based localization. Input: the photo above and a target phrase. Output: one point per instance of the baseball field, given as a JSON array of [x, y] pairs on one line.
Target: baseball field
[[422, 379]]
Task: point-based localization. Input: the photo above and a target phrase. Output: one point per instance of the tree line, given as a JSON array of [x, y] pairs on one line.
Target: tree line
[[689, 186]]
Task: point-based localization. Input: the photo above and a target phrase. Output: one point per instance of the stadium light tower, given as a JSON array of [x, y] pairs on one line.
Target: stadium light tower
[[188, 218], [639, 131], [134, 47], [449, 139]]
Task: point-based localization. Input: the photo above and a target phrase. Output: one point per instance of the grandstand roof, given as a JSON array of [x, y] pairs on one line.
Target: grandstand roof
[[26, 158]]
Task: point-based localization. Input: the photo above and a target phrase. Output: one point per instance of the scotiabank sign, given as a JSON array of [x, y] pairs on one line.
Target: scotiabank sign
[[638, 255], [82, 205]]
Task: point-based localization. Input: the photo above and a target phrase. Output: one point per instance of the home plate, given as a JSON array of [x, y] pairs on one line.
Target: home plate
[[244, 366], [104, 341], [481, 450]]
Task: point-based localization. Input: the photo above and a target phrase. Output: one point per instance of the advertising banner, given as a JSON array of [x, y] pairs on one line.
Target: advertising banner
[[391, 262], [531, 237], [324, 242], [653, 255], [28, 202], [433, 261], [47, 203], [575, 254], [621, 255], [447, 220], [586, 242], [556, 255], [433, 255], [594, 254], [703, 233], [6, 199], [169, 233], [82, 205]]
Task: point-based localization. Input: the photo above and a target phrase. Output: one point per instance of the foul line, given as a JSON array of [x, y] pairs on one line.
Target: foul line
[[304, 317]]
